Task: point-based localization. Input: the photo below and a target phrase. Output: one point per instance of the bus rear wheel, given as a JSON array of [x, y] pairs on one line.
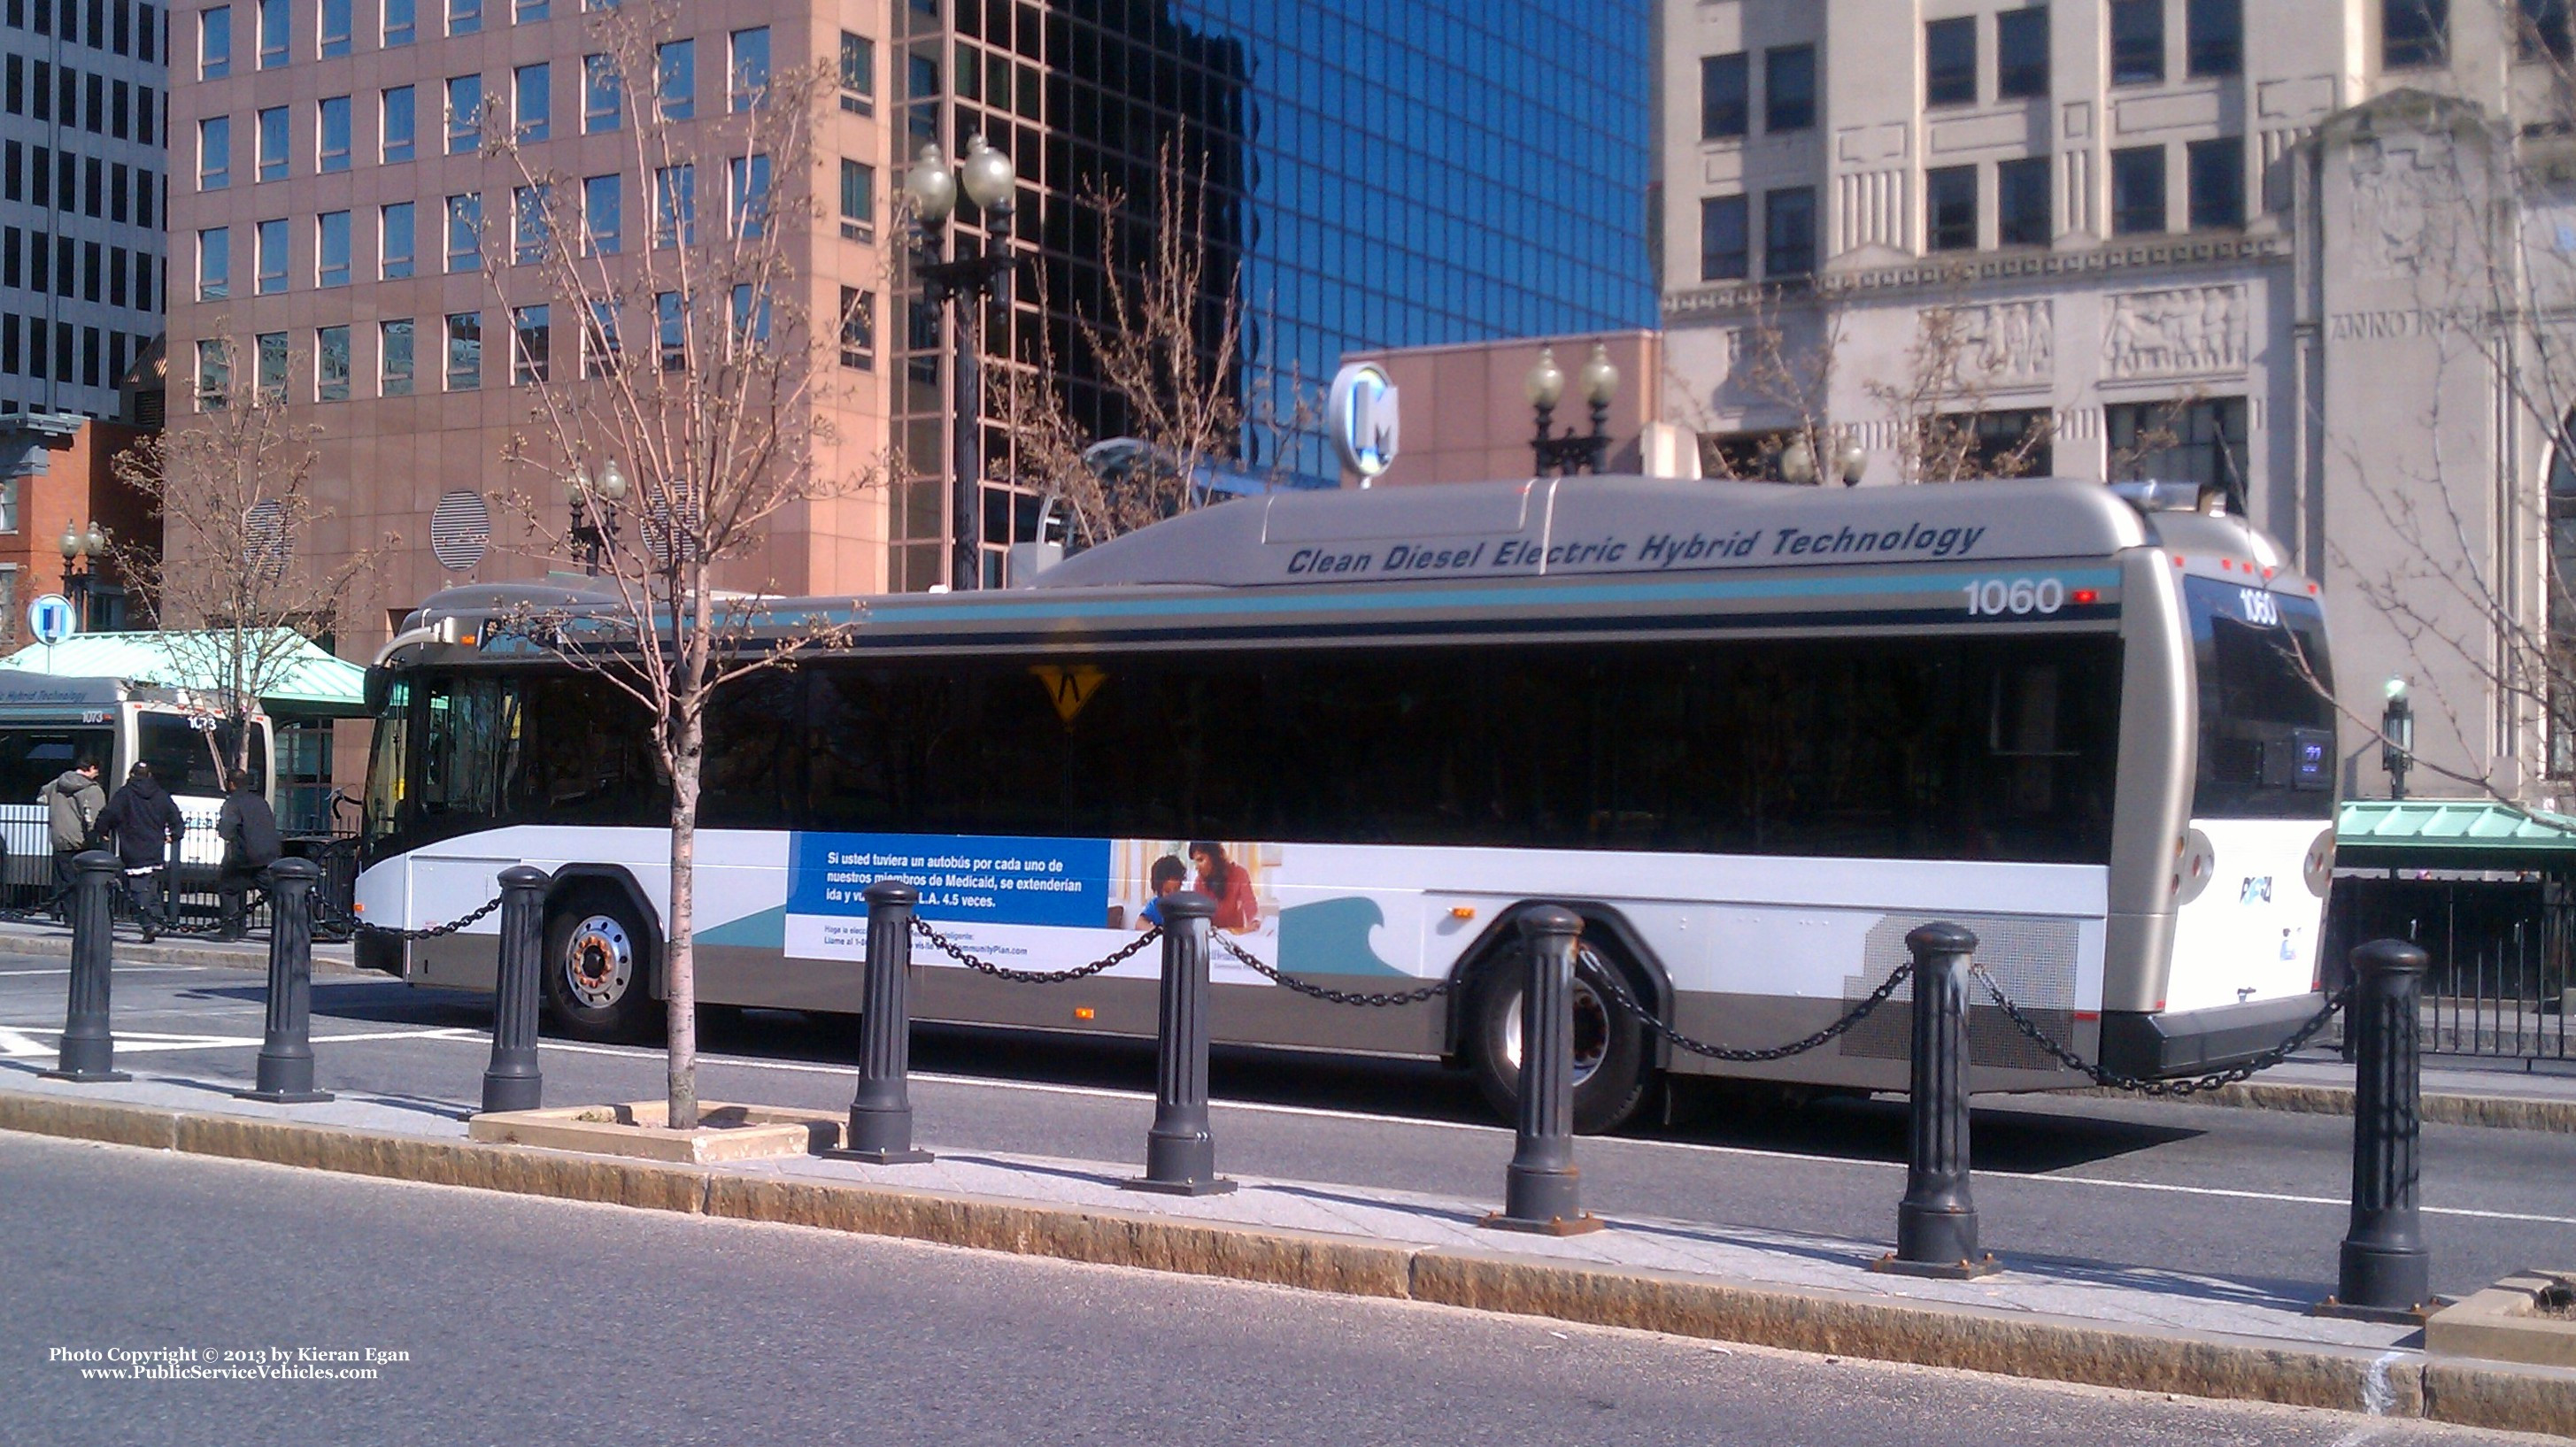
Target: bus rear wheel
[[1609, 1044], [598, 969]]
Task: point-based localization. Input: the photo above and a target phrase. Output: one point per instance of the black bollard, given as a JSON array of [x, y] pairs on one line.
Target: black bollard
[[1180, 1149], [513, 1080], [286, 1056], [1936, 1223], [881, 1109], [1542, 1189], [2386, 1274], [89, 1047]]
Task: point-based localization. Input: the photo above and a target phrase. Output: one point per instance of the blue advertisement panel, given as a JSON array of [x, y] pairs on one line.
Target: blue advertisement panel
[[982, 878]]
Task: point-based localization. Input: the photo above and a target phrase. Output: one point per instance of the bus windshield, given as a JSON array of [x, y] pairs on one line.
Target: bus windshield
[[2267, 717]]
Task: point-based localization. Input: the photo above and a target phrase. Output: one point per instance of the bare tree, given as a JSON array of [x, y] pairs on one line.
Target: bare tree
[[698, 438], [233, 485], [1167, 346]]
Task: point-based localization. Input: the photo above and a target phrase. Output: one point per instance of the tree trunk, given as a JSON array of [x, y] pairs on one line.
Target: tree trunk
[[679, 976]]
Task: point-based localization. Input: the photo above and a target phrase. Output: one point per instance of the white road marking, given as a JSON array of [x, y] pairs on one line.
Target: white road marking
[[1323, 1113], [15, 1044], [120, 969]]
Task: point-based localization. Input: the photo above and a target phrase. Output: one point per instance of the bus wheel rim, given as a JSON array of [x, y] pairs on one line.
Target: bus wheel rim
[[599, 962], [1591, 1031]]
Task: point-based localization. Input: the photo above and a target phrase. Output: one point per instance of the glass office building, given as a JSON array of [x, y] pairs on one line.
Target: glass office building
[[1383, 174]]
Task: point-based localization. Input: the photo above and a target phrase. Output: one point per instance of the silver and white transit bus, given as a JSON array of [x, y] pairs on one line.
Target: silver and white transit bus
[[1752, 734]]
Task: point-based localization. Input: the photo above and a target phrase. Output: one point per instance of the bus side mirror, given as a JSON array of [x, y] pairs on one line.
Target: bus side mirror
[[379, 687]]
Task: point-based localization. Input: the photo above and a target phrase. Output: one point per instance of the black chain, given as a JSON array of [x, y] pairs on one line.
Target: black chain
[[1339, 997], [958, 953], [325, 912], [1618, 993], [2172, 1089]]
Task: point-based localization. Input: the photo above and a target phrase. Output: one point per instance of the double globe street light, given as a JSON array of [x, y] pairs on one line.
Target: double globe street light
[[1569, 451], [593, 500], [974, 275], [78, 547]]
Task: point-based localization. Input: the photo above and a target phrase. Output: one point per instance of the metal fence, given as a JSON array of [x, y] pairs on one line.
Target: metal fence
[[190, 900], [2502, 983]]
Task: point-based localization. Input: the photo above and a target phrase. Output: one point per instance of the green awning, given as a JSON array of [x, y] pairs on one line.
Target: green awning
[[311, 682], [2452, 833]]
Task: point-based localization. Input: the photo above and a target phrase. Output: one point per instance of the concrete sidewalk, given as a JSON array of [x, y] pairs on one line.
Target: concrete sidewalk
[[2162, 1330], [172, 949]]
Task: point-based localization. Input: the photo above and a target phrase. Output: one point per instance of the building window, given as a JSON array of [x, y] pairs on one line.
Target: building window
[[2021, 53], [2011, 443], [747, 194], [396, 241], [215, 42], [2138, 191], [275, 19], [1789, 233], [858, 329], [214, 154], [531, 224], [397, 123], [331, 249], [214, 264], [532, 101], [464, 351], [401, 17], [331, 364], [603, 97], [214, 374], [603, 208], [1725, 97], [1950, 208], [1725, 246], [858, 201], [531, 11], [272, 144], [2542, 31], [2214, 37], [1950, 62], [2022, 203], [2137, 42], [464, 17], [671, 330], [2217, 183], [1789, 88], [2193, 440], [600, 345], [675, 78], [465, 232], [272, 257], [750, 322], [675, 207], [532, 330], [2414, 32], [858, 74], [464, 114], [747, 73], [394, 358], [331, 128], [271, 354], [334, 39]]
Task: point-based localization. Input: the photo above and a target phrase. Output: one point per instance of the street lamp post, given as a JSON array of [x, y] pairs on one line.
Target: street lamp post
[[2397, 738], [1798, 461], [78, 547], [1569, 451], [972, 276], [593, 502]]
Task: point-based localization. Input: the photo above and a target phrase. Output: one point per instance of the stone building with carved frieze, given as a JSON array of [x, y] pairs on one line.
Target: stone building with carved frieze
[[2312, 253]]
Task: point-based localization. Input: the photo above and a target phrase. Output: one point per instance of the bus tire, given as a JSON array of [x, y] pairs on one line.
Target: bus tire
[[599, 969], [1610, 1060]]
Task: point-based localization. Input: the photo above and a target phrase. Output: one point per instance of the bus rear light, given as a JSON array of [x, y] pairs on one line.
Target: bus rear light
[[2088, 1014], [1083, 1012], [2086, 596]]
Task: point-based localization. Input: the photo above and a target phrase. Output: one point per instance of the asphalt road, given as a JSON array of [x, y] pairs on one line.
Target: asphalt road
[[680, 1329], [2254, 1196]]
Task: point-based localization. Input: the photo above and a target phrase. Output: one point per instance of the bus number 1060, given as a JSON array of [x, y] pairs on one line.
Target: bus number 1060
[[1995, 597]]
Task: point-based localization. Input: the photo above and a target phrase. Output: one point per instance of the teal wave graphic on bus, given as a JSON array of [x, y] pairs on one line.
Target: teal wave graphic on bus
[[988, 879]]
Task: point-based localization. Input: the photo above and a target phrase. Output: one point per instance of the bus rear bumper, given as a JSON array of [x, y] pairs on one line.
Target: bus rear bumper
[[2187, 1042], [373, 951]]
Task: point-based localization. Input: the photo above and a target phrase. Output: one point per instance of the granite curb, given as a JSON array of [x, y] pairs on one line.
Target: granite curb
[[328, 959], [2398, 1383], [2498, 1112]]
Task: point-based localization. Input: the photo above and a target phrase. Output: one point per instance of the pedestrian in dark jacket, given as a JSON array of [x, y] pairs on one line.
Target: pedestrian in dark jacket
[[72, 803], [146, 823], [248, 828]]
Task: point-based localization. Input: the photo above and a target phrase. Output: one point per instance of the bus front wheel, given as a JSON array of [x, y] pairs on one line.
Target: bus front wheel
[[1609, 1045], [598, 969]]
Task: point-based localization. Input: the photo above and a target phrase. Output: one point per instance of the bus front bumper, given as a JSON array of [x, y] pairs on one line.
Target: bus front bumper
[[381, 952], [2188, 1042]]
